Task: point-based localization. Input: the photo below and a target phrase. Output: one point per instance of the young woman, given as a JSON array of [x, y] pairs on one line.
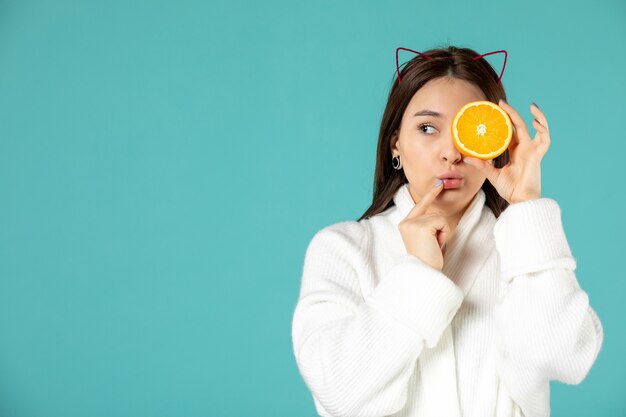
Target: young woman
[[448, 297]]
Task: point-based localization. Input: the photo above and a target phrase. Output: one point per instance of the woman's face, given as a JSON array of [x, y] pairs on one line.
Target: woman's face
[[425, 144]]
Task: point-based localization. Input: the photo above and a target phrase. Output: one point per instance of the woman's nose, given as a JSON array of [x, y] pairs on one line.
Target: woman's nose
[[449, 152]]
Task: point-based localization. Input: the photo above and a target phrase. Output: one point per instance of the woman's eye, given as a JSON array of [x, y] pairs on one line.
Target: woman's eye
[[425, 126]]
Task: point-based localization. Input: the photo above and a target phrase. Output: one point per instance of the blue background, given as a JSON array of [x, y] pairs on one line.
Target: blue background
[[163, 166]]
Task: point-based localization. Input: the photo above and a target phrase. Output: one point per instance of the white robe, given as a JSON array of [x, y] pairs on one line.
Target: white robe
[[377, 332]]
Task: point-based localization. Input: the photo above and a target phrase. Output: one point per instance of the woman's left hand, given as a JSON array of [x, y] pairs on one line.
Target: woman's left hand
[[520, 179]]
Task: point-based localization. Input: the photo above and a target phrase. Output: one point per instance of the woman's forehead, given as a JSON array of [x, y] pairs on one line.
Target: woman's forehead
[[444, 97]]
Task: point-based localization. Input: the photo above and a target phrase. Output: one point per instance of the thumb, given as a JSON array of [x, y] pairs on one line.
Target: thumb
[[483, 166]]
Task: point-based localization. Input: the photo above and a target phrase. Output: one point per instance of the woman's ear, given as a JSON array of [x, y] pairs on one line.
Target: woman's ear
[[394, 140]]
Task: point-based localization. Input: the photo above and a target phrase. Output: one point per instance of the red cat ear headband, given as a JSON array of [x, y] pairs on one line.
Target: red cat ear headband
[[428, 57]]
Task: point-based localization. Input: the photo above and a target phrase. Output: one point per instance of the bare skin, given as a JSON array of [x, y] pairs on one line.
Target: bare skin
[[426, 149]]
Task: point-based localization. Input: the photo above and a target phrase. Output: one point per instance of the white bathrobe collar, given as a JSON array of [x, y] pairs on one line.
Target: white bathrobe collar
[[472, 241]]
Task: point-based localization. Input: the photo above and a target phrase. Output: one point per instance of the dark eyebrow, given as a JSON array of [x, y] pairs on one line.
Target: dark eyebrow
[[427, 113]]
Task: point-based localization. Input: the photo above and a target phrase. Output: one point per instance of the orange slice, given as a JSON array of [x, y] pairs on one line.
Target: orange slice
[[482, 129]]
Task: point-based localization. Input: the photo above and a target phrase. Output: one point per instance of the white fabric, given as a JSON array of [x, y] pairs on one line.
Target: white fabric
[[377, 332]]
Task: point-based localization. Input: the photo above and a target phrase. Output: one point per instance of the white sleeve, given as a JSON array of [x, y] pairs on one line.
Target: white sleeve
[[357, 355], [546, 329]]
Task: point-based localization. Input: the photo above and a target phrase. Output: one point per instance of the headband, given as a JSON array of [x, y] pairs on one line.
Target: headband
[[428, 57]]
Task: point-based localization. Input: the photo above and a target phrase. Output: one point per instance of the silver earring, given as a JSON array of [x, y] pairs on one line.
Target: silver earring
[[395, 161]]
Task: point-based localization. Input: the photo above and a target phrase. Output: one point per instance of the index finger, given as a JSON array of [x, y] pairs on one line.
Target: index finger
[[422, 205]]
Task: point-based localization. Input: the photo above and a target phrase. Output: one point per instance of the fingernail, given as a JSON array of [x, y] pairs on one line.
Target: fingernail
[[535, 104], [438, 183], [467, 161]]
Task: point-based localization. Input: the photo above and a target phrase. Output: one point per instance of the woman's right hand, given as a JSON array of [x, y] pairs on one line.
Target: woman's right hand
[[424, 234]]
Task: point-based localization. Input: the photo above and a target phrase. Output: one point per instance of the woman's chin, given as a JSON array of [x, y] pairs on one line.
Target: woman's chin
[[451, 193]]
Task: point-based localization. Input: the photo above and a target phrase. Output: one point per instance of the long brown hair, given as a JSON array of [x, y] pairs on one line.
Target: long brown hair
[[451, 61]]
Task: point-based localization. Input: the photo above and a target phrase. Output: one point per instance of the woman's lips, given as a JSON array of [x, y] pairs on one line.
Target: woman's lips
[[452, 183]]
